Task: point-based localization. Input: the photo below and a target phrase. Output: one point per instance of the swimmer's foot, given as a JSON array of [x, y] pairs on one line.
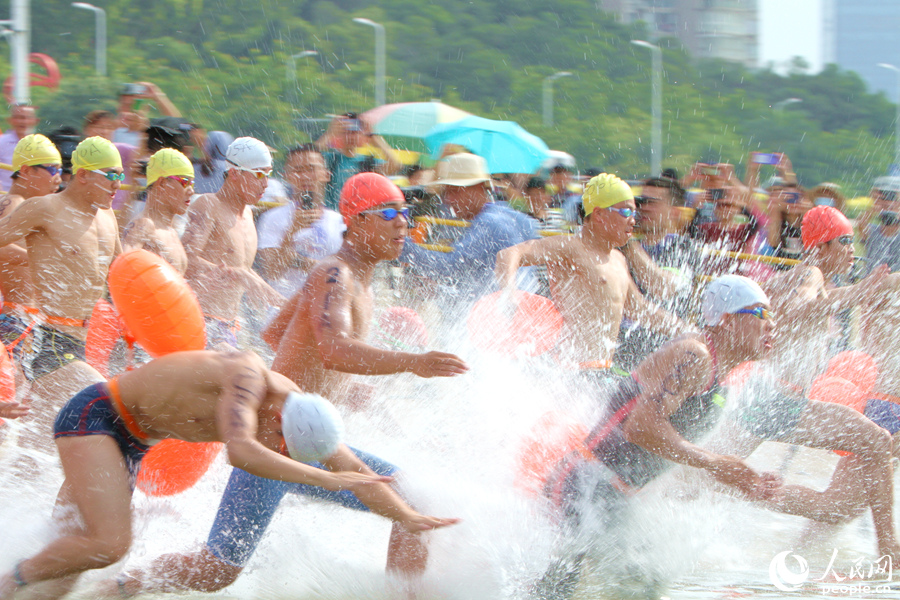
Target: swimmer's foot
[[560, 580], [122, 585]]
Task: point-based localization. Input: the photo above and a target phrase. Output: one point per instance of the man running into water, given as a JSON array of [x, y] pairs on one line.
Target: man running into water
[[654, 420], [37, 166], [220, 241], [72, 238], [103, 433], [170, 184], [320, 336], [589, 277]]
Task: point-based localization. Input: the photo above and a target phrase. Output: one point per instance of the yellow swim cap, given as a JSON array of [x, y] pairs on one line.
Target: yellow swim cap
[[603, 191], [35, 149], [168, 162], [95, 153]]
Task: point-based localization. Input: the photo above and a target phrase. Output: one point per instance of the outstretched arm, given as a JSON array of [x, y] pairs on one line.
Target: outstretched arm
[[332, 323]]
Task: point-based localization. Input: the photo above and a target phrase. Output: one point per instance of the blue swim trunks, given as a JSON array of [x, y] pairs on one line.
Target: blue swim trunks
[[91, 412], [16, 330], [884, 413], [250, 502]]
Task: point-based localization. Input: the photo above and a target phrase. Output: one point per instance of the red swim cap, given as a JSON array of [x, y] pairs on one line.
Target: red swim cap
[[823, 224], [365, 190]]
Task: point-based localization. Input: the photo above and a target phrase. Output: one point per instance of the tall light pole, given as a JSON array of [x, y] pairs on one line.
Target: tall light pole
[[99, 36], [20, 46], [379, 57], [897, 120], [292, 65], [548, 96], [656, 91]]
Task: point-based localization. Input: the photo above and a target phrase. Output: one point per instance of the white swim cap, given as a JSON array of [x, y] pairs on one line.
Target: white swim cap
[[311, 426], [727, 294], [249, 154]]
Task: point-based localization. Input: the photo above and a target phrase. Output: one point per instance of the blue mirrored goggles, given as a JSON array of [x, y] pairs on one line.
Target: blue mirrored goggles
[[111, 175], [54, 170], [759, 312], [389, 214], [625, 213]]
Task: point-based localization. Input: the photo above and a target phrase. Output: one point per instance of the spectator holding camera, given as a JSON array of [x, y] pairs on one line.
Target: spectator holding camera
[[726, 221], [339, 145], [879, 227], [787, 205]]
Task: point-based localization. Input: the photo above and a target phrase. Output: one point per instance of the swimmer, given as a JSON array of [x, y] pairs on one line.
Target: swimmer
[[220, 241], [807, 296], [655, 419], [881, 339], [170, 184], [201, 396], [37, 166], [591, 284], [72, 238], [320, 337]]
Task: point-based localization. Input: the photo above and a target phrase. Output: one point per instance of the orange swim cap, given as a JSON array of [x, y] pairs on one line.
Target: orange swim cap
[[366, 190], [823, 224]]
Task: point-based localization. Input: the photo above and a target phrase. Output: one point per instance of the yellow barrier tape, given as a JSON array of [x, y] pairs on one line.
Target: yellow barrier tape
[[440, 221], [772, 260]]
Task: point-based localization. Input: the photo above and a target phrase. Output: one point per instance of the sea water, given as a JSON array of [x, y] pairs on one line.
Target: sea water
[[457, 441]]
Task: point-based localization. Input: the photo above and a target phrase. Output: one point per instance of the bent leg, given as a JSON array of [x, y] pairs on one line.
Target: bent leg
[[97, 484]]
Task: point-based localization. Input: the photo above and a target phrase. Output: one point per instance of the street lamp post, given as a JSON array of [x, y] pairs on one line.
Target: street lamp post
[[548, 96], [20, 44], [292, 65], [656, 106], [379, 57], [897, 120], [780, 106], [99, 36]]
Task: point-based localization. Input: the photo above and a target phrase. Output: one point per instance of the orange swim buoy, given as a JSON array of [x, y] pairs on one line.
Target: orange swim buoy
[[551, 438], [164, 316], [156, 304], [855, 366], [837, 390], [173, 466], [104, 330], [531, 329]]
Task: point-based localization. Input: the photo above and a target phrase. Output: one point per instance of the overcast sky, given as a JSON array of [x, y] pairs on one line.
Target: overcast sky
[[789, 28]]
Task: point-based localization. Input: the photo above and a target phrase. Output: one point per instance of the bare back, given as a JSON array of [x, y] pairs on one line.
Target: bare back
[[178, 395], [15, 276], [331, 288], [218, 235]]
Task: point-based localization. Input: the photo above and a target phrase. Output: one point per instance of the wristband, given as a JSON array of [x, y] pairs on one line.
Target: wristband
[[17, 575]]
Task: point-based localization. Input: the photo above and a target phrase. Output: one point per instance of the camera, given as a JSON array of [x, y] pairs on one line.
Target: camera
[[306, 200], [134, 89], [791, 197]]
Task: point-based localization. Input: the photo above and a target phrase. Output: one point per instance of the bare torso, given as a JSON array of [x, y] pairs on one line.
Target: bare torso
[[232, 243], [157, 238], [298, 356], [801, 341], [69, 258], [590, 289]]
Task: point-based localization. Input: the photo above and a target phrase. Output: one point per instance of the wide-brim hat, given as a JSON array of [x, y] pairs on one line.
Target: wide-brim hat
[[462, 170]]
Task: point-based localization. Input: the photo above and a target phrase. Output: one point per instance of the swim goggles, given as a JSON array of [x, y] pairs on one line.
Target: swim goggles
[[844, 240], [54, 170], [625, 213], [759, 312], [389, 214], [184, 181], [111, 175]]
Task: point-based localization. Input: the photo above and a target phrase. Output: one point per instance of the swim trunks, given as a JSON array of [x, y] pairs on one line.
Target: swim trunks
[[884, 411], [220, 331], [51, 349], [250, 502], [15, 333], [91, 412]]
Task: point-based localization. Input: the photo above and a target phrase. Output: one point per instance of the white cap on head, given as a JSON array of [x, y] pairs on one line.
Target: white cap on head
[[311, 426], [727, 294], [249, 154]]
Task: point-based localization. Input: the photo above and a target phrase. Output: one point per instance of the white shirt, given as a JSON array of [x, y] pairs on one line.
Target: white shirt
[[323, 238]]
